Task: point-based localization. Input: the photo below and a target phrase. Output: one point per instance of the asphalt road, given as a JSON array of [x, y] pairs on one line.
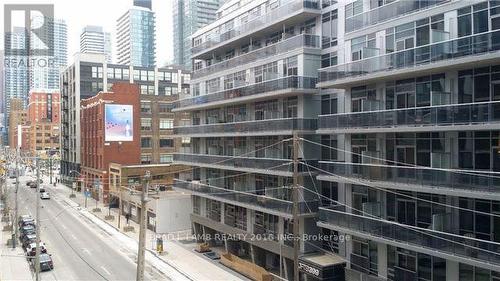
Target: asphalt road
[[80, 249]]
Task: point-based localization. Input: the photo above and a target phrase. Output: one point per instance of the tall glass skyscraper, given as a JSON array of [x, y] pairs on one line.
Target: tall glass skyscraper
[[136, 37], [189, 16]]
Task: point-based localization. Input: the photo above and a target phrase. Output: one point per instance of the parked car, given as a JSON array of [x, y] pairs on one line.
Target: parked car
[[33, 185], [31, 249], [26, 240], [46, 262], [42, 189], [26, 222], [27, 228], [28, 183], [45, 195]]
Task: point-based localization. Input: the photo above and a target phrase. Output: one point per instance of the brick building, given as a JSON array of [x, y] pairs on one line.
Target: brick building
[[43, 106], [98, 149], [17, 116], [43, 115]]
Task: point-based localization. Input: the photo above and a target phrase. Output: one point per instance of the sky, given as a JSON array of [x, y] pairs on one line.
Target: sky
[[79, 13]]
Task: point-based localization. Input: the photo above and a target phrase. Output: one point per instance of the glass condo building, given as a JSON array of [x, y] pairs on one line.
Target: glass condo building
[[396, 105]]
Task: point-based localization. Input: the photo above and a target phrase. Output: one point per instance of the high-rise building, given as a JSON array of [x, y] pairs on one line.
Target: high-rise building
[[24, 72], [253, 87], [46, 76], [189, 16], [159, 88], [93, 39], [398, 141], [143, 3], [16, 78], [135, 37]]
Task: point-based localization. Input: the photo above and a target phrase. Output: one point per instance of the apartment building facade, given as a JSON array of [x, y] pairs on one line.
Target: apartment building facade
[[253, 89], [158, 88], [410, 109], [406, 134]]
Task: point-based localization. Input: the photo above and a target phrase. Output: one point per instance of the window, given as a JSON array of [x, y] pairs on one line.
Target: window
[[145, 107], [166, 123], [328, 104], [165, 107], [290, 107], [145, 158], [146, 142], [329, 59], [290, 66], [354, 8], [111, 73], [166, 158], [329, 29], [147, 89], [145, 124], [166, 143], [96, 71]]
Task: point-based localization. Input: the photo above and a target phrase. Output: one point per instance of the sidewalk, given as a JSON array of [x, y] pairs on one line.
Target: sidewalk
[[13, 264], [176, 253]]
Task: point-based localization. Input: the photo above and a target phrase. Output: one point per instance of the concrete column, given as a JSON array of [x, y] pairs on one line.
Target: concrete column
[[452, 270], [382, 260]]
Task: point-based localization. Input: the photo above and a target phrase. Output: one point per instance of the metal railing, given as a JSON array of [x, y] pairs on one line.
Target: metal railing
[[446, 50], [236, 161], [284, 46], [463, 180], [300, 124], [290, 82], [261, 201], [440, 115], [386, 12], [435, 241], [279, 13]]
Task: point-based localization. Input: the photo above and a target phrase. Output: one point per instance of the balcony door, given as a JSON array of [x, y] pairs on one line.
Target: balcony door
[[405, 156], [405, 212]]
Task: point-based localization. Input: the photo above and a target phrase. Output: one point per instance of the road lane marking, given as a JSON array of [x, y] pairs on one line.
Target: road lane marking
[[105, 270]]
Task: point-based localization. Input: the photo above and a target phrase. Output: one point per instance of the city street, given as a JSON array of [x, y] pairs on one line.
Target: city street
[[80, 249]]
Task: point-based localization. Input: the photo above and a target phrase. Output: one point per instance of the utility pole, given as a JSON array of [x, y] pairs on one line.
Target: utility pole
[[295, 210], [142, 229], [37, 224], [14, 239], [50, 169]]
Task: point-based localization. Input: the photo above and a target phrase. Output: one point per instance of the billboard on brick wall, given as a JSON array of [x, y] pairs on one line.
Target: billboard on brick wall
[[118, 122]]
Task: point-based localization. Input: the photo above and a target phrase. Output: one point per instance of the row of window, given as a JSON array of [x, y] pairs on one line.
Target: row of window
[[164, 124]]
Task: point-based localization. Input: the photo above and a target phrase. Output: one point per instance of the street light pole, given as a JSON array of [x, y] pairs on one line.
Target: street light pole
[[37, 224], [142, 229]]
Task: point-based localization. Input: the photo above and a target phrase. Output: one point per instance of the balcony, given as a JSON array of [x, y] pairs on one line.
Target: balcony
[[432, 180], [387, 12], [261, 203], [453, 117], [284, 46], [285, 126], [268, 88], [278, 16], [458, 248], [468, 50], [280, 167]]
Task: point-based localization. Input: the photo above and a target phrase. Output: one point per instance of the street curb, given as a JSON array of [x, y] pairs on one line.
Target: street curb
[[85, 214]]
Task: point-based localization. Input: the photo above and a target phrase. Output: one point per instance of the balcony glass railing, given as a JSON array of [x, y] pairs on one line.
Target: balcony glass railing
[[236, 197], [445, 243], [442, 115], [291, 82], [286, 124], [446, 50], [274, 15], [284, 46], [386, 12], [461, 180], [236, 161]]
